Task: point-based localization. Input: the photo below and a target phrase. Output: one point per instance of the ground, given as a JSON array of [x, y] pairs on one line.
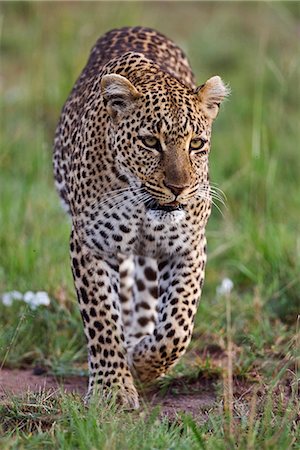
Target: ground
[[201, 393]]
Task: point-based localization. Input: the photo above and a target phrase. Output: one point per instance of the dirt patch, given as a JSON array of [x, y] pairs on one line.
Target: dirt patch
[[18, 382], [193, 397]]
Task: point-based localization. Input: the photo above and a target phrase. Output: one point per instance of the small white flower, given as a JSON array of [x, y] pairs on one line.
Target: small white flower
[[225, 287], [33, 299], [36, 299], [9, 297], [29, 297], [42, 298]]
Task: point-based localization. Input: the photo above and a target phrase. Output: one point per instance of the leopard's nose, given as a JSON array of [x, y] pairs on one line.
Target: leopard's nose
[[176, 189]]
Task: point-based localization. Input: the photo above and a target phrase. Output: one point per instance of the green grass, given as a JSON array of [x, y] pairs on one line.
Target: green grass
[[35, 422], [255, 160]]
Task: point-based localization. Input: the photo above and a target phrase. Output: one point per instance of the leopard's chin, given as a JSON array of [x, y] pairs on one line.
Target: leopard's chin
[[171, 213], [172, 217]]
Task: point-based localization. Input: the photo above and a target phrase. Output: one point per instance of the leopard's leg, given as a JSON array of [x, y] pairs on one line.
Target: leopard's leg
[[145, 300], [97, 285], [180, 282], [139, 297], [126, 269]]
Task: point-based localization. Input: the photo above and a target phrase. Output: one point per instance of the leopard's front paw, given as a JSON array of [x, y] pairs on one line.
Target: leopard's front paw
[[129, 398], [126, 396]]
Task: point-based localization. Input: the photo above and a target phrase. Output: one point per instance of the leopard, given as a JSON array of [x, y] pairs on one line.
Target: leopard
[[131, 167]]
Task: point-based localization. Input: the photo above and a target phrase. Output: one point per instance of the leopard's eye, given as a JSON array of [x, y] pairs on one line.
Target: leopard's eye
[[197, 144], [151, 142]]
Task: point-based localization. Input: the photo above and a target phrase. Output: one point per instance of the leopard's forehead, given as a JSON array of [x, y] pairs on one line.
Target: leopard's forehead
[[170, 109]]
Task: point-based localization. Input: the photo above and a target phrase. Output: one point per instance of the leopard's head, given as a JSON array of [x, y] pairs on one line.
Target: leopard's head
[[160, 133]]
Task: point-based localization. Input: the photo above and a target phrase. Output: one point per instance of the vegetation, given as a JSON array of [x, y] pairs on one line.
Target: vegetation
[[246, 342]]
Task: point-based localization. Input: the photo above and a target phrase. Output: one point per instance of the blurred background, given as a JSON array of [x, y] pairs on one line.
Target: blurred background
[[254, 241]]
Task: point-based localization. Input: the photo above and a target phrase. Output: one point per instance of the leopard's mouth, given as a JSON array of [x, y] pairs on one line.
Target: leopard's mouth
[[167, 207]]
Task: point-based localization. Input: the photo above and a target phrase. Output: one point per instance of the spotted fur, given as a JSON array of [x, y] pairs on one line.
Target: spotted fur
[[131, 167]]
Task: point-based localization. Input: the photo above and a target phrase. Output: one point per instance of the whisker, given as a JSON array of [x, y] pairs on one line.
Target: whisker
[[139, 198], [209, 198], [129, 189], [112, 195], [215, 187], [219, 193], [219, 199], [218, 208], [215, 192], [120, 195], [150, 201]]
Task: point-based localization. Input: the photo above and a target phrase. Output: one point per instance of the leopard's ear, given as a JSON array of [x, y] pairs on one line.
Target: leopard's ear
[[211, 94], [118, 93]]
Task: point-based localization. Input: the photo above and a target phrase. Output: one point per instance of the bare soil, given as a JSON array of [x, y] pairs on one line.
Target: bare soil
[[19, 382]]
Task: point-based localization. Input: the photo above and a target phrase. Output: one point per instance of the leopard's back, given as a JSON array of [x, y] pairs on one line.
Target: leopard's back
[[153, 45]]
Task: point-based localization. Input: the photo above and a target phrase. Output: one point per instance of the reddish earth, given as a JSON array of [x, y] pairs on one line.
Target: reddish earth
[[181, 396], [17, 382]]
